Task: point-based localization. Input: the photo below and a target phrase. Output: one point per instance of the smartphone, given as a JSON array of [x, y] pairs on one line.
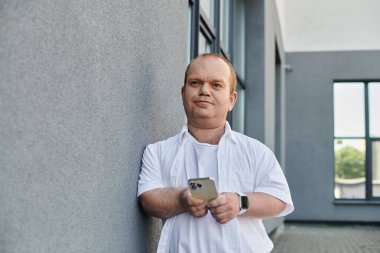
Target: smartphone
[[203, 188]]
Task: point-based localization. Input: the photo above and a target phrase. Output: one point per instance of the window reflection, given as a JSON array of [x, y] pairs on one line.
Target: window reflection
[[374, 109], [349, 109], [189, 14], [208, 8], [357, 122], [238, 36], [238, 111], [204, 45], [224, 24], [349, 167], [376, 168]]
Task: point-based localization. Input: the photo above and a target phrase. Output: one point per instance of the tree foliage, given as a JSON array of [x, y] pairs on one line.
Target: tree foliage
[[349, 163]]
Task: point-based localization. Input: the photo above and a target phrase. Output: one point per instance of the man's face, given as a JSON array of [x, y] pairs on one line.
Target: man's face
[[207, 96]]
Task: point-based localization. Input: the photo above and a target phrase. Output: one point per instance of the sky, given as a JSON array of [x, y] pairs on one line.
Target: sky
[[330, 25]]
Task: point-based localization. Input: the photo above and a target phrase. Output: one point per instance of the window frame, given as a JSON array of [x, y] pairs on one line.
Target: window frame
[[368, 143]]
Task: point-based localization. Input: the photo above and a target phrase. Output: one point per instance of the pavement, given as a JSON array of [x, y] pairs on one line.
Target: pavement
[[326, 238]]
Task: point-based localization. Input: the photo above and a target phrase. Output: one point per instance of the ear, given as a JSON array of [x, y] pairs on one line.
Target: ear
[[233, 98], [183, 92]]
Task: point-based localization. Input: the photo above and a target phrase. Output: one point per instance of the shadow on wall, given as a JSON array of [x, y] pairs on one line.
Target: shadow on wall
[[150, 227]]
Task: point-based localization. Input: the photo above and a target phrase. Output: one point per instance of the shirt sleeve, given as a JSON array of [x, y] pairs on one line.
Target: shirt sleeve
[[150, 175], [271, 180]]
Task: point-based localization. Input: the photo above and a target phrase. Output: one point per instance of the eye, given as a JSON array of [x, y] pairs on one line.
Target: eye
[[194, 83], [216, 85]]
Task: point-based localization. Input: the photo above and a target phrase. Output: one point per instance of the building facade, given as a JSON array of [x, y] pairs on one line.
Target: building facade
[[313, 141], [86, 85], [333, 110]]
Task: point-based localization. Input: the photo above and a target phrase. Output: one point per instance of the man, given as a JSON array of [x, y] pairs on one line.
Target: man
[[249, 180]]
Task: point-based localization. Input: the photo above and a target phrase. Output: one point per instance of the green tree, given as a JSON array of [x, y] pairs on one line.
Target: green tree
[[349, 163]]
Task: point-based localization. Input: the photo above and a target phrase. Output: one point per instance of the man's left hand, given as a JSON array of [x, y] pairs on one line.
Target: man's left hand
[[225, 207]]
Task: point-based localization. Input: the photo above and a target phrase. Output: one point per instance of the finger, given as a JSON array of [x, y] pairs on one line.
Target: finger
[[200, 213], [222, 212], [224, 221], [214, 202], [197, 203], [220, 218], [219, 201], [198, 208], [190, 201], [219, 209]]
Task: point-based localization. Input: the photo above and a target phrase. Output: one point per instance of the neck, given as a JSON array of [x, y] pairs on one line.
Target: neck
[[207, 135]]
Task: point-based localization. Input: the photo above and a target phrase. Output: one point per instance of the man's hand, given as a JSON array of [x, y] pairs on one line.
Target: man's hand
[[196, 207], [167, 202], [225, 207]]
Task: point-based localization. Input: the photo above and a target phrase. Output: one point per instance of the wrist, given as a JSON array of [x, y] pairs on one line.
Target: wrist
[[182, 196], [243, 203]]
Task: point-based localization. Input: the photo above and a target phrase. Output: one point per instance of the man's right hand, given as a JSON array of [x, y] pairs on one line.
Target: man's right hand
[[167, 202], [196, 207]]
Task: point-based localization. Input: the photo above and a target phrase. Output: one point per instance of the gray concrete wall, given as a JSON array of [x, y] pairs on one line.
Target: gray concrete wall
[[84, 86], [310, 131], [255, 69], [263, 81], [263, 32]]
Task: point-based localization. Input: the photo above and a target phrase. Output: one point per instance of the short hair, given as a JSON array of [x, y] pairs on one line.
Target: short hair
[[233, 78]]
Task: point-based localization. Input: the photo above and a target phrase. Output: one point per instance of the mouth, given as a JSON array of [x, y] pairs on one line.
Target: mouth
[[203, 102]]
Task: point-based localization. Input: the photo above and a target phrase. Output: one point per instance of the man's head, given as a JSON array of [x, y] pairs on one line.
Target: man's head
[[233, 79], [209, 91]]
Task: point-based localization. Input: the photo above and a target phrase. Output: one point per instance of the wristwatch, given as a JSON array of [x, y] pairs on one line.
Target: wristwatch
[[243, 202]]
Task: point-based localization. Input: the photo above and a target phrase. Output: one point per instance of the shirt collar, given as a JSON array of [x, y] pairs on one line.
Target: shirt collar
[[228, 133]]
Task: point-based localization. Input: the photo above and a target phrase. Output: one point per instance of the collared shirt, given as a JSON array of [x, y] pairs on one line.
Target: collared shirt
[[244, 165]]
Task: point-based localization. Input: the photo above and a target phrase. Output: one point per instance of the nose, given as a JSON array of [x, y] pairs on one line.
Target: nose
[[205, 89]]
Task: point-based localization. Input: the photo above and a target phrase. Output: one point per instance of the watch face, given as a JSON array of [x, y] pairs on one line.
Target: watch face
[[244, 202]]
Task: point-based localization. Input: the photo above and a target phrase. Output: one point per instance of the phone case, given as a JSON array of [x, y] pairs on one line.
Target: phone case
[[203, 188]]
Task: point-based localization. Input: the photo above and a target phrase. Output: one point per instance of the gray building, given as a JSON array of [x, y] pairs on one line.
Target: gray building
[[311, 142], [86, 85], [333, 110]]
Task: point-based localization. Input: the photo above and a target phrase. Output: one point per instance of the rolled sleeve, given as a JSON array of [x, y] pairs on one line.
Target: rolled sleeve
[[285, 197], [271, 180], [150, 175]]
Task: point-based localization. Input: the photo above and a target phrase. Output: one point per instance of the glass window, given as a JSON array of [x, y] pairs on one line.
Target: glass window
[[349, 169], [376, 168], [374, 109], [239, 111], [225, 24], [189, 14], [204, 45], [238, 36], [357, 138], [349, 109], [208, 8]]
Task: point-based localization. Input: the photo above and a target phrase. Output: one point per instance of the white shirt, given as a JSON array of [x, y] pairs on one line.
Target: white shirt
[[202, 159], [244, 165]]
